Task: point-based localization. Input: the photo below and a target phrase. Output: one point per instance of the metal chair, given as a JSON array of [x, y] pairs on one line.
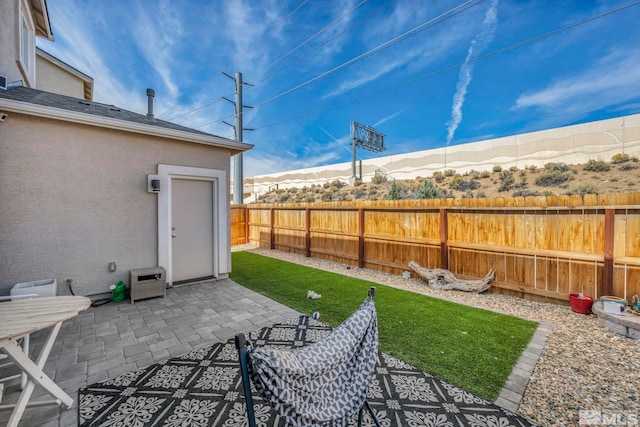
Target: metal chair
[[329, 355]]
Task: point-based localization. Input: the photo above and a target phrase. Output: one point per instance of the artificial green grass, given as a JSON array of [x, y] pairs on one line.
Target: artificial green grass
[[472, 348]]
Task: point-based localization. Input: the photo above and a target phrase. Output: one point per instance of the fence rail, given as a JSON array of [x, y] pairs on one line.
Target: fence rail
[[542, 248]]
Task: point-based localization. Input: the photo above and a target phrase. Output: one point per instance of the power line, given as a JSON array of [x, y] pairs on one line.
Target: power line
[[236, 112], [452, 67], [384, 6], [325, 28], [311, 51], [434, 21], [192, 112], [215, 121], [346, 30], [187, 93], [264, 36], [280, 23], [397, 39]]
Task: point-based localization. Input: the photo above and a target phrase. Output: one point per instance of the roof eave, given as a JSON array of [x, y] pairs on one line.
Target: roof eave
[[27, 108], [88, 90], [41, 20]]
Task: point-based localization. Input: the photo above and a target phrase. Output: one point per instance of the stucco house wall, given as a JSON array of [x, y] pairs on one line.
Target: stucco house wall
[[78, 200], [54, 79], [75, 175], [8, 21], [58, 77], [11, 13]]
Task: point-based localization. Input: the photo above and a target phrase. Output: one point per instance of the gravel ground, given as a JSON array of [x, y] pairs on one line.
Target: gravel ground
[[583, 366]]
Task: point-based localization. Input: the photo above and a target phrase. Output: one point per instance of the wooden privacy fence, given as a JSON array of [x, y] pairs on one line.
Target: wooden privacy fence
[[542, 248]]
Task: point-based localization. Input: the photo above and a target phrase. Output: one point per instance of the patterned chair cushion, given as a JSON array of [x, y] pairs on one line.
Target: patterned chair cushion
[[325, 383]]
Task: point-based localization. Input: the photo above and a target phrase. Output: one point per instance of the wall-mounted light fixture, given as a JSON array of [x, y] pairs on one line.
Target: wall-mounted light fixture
[[153, 183]]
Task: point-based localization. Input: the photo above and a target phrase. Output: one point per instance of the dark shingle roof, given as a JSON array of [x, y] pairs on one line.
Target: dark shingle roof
[[48, 99]]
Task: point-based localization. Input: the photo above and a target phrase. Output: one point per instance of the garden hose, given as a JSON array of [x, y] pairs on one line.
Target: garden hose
[[118, 294]]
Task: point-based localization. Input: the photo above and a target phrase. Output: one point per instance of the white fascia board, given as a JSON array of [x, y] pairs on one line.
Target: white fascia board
[[123, 125]]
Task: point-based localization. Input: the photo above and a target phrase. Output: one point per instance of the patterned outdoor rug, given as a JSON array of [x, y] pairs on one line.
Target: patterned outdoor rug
[[204, 388]]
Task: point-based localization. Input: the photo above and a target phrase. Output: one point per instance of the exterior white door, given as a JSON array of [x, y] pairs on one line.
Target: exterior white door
[[192, 229]]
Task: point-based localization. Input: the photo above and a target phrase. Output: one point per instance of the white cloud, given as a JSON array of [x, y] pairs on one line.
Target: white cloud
[[610, 81], [344, 141], [261, 163], [157, 47], [246, 26], [387, 118], [632, 108], [76, 46], [466, 71], [205, 119], [292, 148], [329, 50], [372, 73], [388, 25], [414, 53]]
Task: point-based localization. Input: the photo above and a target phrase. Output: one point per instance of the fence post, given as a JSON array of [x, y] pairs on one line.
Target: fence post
[[246, 224], [607, 271], [360, 238], [272, 236], [444, 236], [307, 243]]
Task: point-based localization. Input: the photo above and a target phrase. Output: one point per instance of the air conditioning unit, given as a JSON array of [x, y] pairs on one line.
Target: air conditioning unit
[[40, 288], [147, 283]]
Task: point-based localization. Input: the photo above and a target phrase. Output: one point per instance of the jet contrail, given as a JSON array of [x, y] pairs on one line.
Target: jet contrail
[[335, 139], [466, 71]]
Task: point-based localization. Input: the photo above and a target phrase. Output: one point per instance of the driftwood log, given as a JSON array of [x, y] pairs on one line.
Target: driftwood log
[[439, 278]]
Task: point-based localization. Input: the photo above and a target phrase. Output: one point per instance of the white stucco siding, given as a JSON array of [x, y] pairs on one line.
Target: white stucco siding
[[9, 52], [52, 78], [78, 200]]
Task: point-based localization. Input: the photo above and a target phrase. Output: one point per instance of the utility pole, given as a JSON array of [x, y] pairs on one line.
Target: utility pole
[[238, 187]]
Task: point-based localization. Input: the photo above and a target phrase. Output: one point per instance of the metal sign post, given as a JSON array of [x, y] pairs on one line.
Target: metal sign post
[[364, 137]]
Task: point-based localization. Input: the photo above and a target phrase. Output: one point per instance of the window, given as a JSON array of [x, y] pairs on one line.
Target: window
[[27, 45]]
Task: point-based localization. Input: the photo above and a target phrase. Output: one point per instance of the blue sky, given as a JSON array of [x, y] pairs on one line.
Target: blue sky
[[317, 65]]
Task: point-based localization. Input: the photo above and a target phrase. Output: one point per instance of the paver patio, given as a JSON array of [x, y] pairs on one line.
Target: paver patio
[[106, 341], [115, 338]]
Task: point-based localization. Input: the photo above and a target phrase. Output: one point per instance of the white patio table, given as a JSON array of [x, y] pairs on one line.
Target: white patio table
[[20, 318]]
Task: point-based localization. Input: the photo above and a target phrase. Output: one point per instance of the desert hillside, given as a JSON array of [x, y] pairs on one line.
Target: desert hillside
[[621, 174]]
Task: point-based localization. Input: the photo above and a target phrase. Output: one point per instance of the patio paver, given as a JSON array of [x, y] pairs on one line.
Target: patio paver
[[115, 338], [513, 390]]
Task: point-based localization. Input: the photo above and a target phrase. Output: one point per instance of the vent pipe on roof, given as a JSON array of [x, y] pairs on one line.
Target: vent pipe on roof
[[150, 94]]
